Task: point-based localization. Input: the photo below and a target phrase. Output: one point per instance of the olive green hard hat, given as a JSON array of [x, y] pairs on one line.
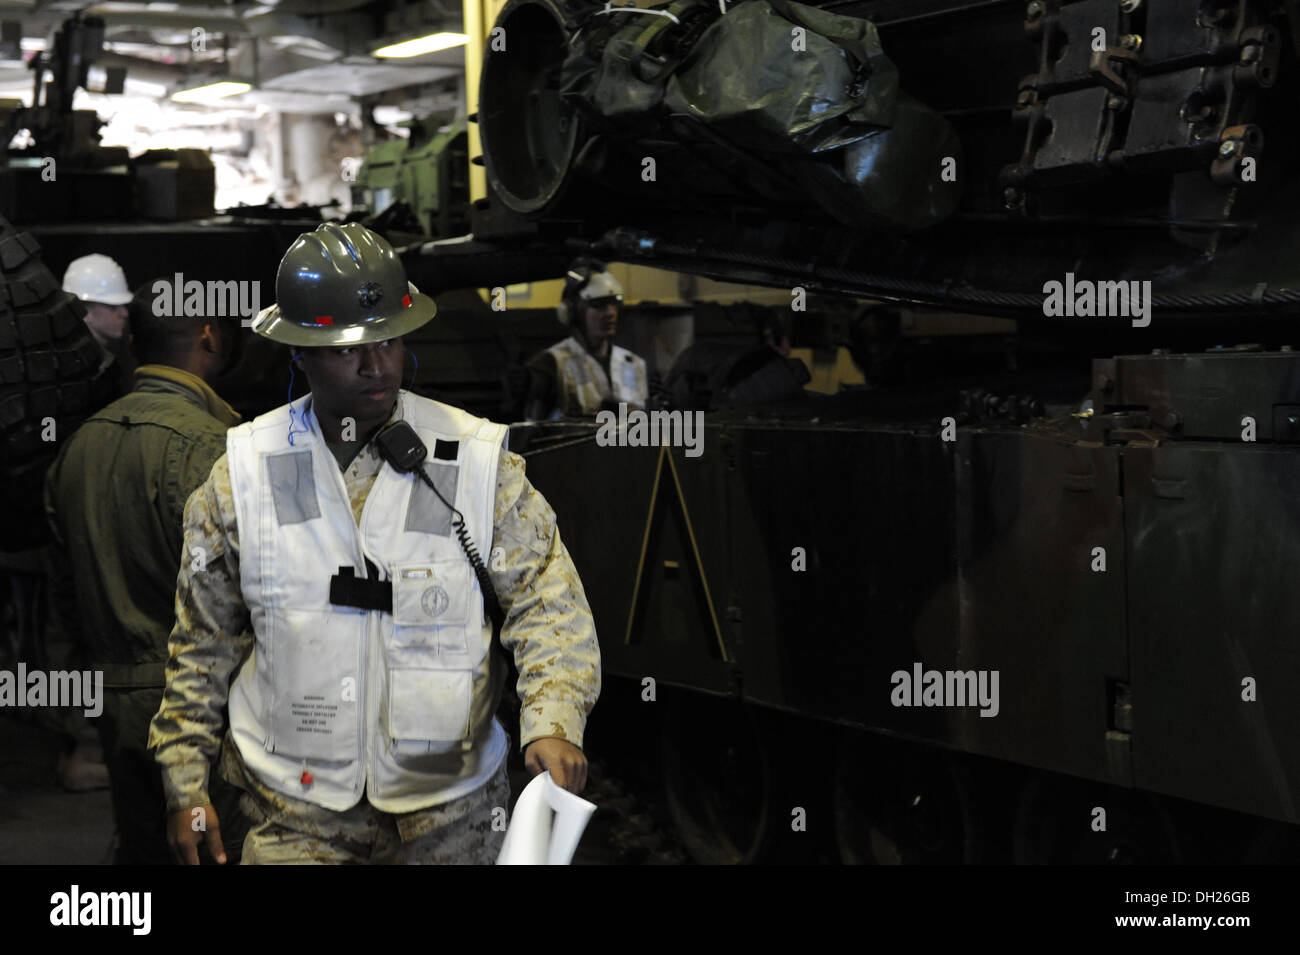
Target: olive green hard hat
[[342, 285]]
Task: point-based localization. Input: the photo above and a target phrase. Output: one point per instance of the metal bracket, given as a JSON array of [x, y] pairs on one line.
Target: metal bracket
[[1102, 67], [1235, 144], [1261, 50]]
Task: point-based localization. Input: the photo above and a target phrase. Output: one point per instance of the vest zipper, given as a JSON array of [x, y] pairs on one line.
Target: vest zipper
[[322, 453]]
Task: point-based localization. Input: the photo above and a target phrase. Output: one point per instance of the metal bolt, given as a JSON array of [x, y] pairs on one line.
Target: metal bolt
[[1129, 6], [1035, 10], [1249, 54], [1229, 148], [1131, 41], [1217, 17], [1010, 196], [1025, 98], [1114, 102]]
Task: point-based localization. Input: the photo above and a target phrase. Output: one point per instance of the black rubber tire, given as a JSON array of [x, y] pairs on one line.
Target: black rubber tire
[[48, 366], [717, 779], [878, 788], [1052, 825]]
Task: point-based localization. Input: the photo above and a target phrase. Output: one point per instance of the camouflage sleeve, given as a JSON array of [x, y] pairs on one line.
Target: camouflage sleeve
[[548, 626], [212, 636]]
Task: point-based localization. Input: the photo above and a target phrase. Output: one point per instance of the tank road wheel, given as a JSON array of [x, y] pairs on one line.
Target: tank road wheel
[[530, 133], [1055, 821], [47, 366], [717, 779], [896, 804]]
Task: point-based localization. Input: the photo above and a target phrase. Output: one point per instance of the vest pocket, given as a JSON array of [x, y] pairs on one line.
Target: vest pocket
[[431, 606], [430, 675], [313, 680], [429, 706]]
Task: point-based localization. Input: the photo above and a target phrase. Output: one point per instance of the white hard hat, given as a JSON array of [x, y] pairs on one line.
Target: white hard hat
[[587, 280], [97, 278], [602, 285]]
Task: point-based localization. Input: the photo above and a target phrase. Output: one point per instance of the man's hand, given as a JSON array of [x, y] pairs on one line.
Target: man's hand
[[567, 764], [187, 827]]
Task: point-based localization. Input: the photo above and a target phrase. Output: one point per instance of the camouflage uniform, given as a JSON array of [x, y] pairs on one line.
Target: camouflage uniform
[[459, 832], [548, 629]]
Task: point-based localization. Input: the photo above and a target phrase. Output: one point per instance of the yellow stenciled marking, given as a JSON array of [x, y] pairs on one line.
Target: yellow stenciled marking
[[699, 562], [645, 544], [690, 532]]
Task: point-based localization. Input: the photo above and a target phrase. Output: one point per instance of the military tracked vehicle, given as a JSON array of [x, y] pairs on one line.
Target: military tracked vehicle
[[1096, 510], [802, 625]]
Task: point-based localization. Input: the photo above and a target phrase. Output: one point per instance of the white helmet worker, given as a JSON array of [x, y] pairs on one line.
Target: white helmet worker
[[587, 282], [100, 284], [97, 278]]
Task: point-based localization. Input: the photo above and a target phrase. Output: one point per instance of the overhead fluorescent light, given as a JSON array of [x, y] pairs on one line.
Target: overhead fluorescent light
[[210, 92], [423, 44]]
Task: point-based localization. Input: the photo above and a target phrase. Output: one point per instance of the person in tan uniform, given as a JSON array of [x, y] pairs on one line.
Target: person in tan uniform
[[342, 588]]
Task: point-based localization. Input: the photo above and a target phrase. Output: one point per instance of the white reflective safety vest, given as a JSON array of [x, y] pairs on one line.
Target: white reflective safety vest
[[582, 384], [337, 700]]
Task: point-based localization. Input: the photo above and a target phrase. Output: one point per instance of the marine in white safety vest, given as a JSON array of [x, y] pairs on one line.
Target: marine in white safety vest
[[587, 372], [340, 588]]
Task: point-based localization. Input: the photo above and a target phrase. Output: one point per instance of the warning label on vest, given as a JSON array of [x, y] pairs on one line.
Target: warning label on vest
[[312, 714]]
